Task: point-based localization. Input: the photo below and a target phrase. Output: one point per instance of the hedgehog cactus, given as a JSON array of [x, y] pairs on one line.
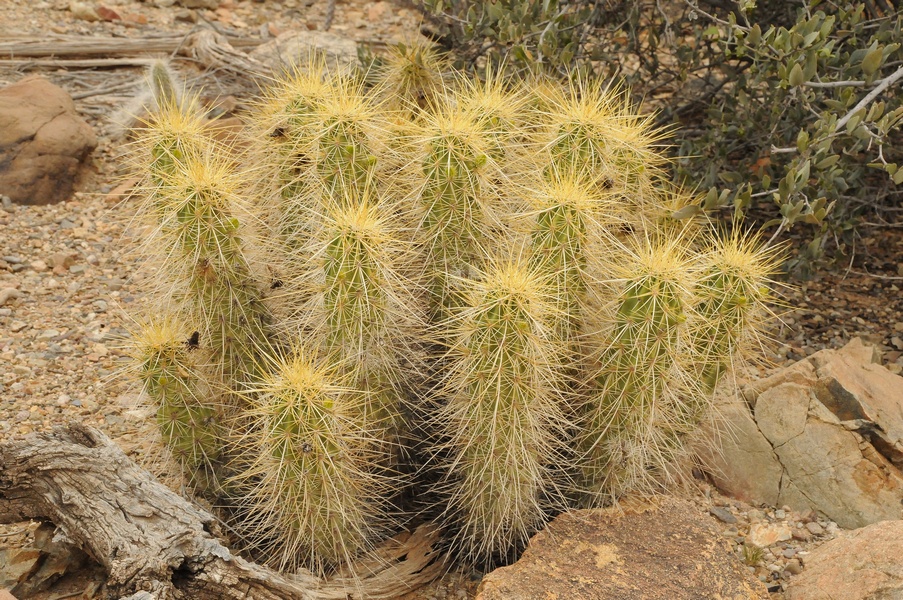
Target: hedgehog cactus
[[495, 269], [312, 495], [186, 410], [732, 294], [625, 431], [503, 422], [458, 196]]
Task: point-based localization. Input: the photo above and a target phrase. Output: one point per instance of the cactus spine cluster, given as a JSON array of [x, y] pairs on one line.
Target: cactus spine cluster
[[408, 263]]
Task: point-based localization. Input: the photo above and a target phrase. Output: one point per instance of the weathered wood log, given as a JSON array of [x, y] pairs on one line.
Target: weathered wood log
[[84, 46], [156, 545]]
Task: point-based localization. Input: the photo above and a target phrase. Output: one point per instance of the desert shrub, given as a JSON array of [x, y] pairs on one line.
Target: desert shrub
[[788, 111]]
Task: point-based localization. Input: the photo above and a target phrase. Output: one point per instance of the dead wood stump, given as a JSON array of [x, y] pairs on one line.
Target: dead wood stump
[[156, 545]]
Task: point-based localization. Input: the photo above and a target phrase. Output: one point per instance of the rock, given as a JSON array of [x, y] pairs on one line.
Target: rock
[[209, 4], [660, 550], [723, 515], [739, 458], [856, 565], [825, 434], [377, 11], [36, 557], [801, 534], [764, 535], [186, 16], [43, 142], [294, 47], [815, 528], [856, 390], [61, 261], [17, 563], [83, 11], [7, 294], [793, 566], [107, 14]]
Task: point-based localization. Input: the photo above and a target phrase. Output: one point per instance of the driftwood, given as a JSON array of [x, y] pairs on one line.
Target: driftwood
[[156, 545]]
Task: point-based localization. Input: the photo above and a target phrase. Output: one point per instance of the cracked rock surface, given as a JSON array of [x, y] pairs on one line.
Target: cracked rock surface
[[824, 434]]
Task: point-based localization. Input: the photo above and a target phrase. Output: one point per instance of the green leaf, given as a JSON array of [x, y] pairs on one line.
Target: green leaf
[[802, 140], [872, 61], [796, 75], [687, 212], [754, 36], [827, 163], [730, 177], [898, 177]]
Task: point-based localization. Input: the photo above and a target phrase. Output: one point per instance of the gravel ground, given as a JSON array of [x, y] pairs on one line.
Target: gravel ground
[[68, 278]]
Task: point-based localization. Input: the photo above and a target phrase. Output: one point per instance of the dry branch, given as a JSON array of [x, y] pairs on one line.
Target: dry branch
[[106, 47], [155, 544]]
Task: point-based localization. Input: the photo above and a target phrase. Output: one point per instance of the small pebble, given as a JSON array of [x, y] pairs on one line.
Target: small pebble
[[47, 334], [793, 567], [814, 528]]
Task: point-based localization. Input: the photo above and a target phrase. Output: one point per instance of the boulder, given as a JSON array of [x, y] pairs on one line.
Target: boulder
[[856, 565], [43, 142], [293, 48], [825, 434], [664, 549]]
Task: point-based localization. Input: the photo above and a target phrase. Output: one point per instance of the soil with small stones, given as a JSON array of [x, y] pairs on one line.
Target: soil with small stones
[[75, 276]]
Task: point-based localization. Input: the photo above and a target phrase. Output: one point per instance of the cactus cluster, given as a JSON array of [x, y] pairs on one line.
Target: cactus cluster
[[409, 265]]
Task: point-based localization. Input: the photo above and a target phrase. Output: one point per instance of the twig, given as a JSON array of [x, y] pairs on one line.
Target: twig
[[876, 276], [882, 85], [104, 90], [834, 84], [330, 15]]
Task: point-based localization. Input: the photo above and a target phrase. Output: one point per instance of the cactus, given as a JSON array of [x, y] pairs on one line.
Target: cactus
[[311, 495], [413, 77], [285, 127], [568, 218], [490, 277], [164, 356], [459, 197], [202, 238], [626, 435], [732, 292], [364, 309], [503, 422], [593, 130]]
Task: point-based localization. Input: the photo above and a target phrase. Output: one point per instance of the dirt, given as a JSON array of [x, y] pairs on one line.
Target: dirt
[[60, 341]]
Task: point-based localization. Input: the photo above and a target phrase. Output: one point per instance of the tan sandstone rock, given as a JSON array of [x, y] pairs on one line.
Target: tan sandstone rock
[[824, 434], [43, 142], [666, 550], [857, 565]]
